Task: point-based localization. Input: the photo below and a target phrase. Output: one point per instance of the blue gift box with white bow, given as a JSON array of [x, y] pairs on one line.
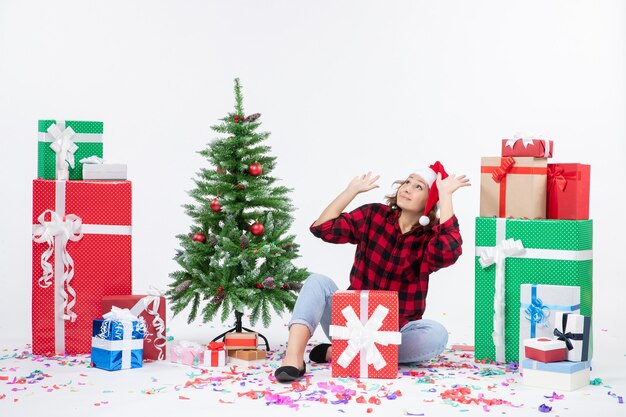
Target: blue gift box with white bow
[[117, 344]]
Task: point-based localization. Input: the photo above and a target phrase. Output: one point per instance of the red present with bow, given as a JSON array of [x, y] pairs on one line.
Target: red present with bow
[[81, 253], [513, 187], [568, 191], [519, 146], [151, 308], [215, 355], [365, 334]]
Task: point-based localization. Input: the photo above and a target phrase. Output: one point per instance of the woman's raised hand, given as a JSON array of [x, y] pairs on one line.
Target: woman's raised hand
[[363, 183]]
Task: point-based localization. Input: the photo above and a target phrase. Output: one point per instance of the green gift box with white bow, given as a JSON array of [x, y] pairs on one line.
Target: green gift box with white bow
[[512, 252], [63, 143]]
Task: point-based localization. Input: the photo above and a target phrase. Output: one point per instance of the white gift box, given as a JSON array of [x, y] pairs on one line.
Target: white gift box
[[538, 307], [104, 171], [577, 330], [556, 376]]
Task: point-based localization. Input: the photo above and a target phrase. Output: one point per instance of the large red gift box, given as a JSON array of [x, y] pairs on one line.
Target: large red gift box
[[538, 148], [151, 308], [81, 253], [365, 334], [568, 191]]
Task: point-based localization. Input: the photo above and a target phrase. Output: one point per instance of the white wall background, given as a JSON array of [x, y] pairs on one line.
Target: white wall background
[[344, 87]]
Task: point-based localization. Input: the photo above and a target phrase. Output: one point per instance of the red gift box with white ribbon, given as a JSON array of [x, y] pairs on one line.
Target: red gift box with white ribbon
[[81, 253], [150, 307], [365, 334], [537, 148]]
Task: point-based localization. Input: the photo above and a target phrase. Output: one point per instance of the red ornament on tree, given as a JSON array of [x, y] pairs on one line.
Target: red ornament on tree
[[215, 205], [240, 187], [199, 237], [259, 285], [255, 169], [219, 289], [256, 228], [285, 286]]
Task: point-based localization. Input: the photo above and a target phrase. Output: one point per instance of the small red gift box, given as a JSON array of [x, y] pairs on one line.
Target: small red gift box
[[81, 253], [546, 350], [365, 334], [152, 309], [538, 148], [568, 191]]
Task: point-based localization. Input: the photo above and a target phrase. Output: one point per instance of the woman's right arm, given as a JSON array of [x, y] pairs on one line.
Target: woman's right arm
[[359, 184]]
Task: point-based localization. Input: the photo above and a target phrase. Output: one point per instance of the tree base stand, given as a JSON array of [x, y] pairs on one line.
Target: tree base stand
[[239, 328]]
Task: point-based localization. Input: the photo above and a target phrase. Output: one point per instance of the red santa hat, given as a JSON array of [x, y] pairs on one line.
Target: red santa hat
[[430, 176]]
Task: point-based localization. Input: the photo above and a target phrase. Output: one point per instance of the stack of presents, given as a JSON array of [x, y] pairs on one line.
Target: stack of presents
[[82, 299], [533, 267]]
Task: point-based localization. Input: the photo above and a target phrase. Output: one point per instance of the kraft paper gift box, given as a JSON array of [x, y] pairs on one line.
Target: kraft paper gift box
[[556, 376], [63, 143], [241, 340], [104, 171], [511, 252], [513, 187], [365, 334], [537, 148], [215, 355], [545, 350], [81, 253], [187, 353], [575, 331], [539, 308], [117, 341], [248, 355], [151, 308], [568, 191]]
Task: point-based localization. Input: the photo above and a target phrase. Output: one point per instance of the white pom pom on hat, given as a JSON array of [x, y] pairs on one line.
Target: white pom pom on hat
[[430, 176]]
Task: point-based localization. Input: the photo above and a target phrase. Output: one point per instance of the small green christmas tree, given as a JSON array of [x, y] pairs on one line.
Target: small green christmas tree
[[238, 254]]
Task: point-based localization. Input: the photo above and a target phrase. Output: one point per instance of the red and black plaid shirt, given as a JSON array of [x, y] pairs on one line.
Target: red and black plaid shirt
[[386, 259]]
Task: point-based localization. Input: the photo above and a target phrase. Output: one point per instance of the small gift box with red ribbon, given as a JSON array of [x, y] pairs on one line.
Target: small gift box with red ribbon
[[81, 253], [568, 191], [518, 146], [575, 331], [241, 340], [513, 187], [545, 349], [215, 355], [365, 334], [151, 308], [187, 353]]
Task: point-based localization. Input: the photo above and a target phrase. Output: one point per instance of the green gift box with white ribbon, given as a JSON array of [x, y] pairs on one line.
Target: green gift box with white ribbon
[[511, 252], [62, 144]]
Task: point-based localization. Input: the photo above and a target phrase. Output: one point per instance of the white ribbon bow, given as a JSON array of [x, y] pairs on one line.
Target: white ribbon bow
[[63, 146], [363, 337], [150, 304], [497, 255], [525, 138], [64, 229]]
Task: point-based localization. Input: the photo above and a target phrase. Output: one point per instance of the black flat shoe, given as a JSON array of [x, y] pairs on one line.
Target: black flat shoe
[[289, 373], [318, 353]]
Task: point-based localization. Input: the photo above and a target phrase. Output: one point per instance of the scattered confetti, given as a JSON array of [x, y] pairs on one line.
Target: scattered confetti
[[596, 381], [545, 408]]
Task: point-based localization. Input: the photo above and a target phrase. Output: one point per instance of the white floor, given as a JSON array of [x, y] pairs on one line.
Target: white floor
[[69, 387]]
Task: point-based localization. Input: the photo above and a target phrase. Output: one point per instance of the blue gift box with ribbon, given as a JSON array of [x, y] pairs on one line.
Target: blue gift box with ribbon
[[539, 307], [117, 343]]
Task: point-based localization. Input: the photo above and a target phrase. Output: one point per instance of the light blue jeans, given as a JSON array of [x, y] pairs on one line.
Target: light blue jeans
[[421, 339]]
